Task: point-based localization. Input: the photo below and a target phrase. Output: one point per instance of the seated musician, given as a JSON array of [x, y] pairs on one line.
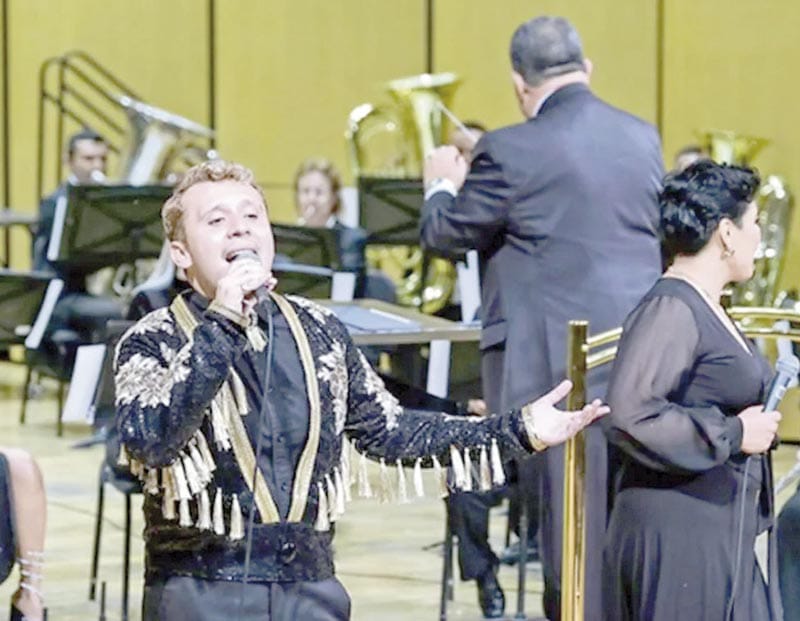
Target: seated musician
[[77, 312], [317, 197]]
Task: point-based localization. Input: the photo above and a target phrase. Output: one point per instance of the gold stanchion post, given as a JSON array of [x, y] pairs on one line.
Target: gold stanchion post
[[574, 527]]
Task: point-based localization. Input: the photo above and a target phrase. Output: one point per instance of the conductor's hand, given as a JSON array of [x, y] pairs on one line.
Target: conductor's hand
[[445, 163], [758, 429], [549, 426], [236, 290]]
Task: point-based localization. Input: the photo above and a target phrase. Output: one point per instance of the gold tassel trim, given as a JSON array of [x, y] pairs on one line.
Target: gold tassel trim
[[185, 519], [441, 477], [498, 476], [485, 471], [322, 523], [151, 482], [419, 488], [457, 464], [341, 491], [168, 500], [218, 520], [467, 471], [204, 512], [237, 527], [346, 474], [202, 446], [122, 457], [192, 478], [239, 394], [219, 426], [402, 487], [199, 465], [332, 502], [386, 484], [364, 488], [179, 476]]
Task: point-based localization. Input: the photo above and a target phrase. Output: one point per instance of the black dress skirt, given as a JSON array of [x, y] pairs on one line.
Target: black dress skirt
[[689, 504]]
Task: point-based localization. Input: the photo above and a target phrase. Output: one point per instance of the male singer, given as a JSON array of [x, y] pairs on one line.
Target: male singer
[[234, 406], [563, 211]]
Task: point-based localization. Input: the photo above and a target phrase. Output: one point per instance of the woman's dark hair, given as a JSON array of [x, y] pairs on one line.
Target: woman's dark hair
[[695, 200]]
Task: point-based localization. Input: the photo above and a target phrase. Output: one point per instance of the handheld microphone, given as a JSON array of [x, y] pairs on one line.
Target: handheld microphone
[[786, 369], [262, 293]]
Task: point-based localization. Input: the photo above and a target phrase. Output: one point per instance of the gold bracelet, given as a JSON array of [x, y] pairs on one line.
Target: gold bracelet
[[535, 441]]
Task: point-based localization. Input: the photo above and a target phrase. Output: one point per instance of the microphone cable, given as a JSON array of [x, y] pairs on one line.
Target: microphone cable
[[259, 445], [739, 538]]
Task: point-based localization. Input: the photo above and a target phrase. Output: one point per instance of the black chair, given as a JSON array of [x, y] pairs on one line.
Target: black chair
[[119, 478], [128, 486]]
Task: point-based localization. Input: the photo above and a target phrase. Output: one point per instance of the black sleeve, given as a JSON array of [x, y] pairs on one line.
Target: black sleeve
[[656, 357], [472, 219], [164, 384]]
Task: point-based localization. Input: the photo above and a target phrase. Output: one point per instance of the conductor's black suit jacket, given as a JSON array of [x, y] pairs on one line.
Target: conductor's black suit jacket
[[563, 211]]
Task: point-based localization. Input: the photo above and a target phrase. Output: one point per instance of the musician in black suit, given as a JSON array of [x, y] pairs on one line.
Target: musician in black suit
[[78, 314], [563, 211]]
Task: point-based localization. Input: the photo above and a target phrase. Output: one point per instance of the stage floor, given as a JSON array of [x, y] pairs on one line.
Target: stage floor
[[388, 555]]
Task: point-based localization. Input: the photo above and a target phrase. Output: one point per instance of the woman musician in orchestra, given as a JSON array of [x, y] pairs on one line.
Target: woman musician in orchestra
[[686, 397]]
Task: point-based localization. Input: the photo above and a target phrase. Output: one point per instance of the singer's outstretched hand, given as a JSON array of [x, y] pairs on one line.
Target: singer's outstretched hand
[[553, 426], [758, 429]]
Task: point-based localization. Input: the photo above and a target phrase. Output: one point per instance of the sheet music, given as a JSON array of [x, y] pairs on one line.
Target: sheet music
[[83, 384]]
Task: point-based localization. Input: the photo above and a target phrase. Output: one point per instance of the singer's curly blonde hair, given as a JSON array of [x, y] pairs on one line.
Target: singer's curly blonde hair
[[212, 170]]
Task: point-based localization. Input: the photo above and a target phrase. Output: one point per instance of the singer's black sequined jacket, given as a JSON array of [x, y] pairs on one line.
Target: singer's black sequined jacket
[[172, 384]]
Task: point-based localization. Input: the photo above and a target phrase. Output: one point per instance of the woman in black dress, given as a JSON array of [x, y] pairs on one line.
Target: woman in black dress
[[686, 400]]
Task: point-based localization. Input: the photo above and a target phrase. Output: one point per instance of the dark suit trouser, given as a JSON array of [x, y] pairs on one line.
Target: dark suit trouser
[[181, 598], [596, 515], [789, 557], [468, 512]]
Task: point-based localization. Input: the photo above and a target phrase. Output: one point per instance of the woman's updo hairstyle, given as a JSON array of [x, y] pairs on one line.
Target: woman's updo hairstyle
[[695, 200]]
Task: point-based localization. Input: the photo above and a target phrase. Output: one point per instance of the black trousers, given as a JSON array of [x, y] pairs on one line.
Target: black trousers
[[468, 513], [180, 598], [789, 557]]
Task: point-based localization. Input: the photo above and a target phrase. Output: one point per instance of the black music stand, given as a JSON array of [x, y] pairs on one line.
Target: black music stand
[[308, 245], [389, 209], [103, 226], [309, 281], [26, 306]]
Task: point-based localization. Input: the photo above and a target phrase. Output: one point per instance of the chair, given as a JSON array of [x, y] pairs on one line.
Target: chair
[[128, 486], [120, 479]]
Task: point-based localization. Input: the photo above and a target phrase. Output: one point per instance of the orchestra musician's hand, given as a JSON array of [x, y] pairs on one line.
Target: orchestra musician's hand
[[758, 429], [237, 289], [550, 426], [445, 163]]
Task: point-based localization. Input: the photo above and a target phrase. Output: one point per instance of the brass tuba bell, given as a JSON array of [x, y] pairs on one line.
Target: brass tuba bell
[[392, 141], [775, 204]]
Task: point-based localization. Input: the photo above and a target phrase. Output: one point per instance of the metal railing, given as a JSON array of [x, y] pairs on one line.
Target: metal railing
[[585, 353]]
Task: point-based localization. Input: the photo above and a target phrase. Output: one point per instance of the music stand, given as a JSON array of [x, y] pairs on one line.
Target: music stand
[[308, 245], [389, 209], [309, 281], [27, 300], [103, 226]]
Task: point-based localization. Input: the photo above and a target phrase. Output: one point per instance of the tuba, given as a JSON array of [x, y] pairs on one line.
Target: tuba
[[774, 201], [159, 146], [392, 141]]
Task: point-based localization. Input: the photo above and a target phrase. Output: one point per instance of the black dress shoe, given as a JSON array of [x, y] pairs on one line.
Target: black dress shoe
[[490, 596], [510, 556]]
